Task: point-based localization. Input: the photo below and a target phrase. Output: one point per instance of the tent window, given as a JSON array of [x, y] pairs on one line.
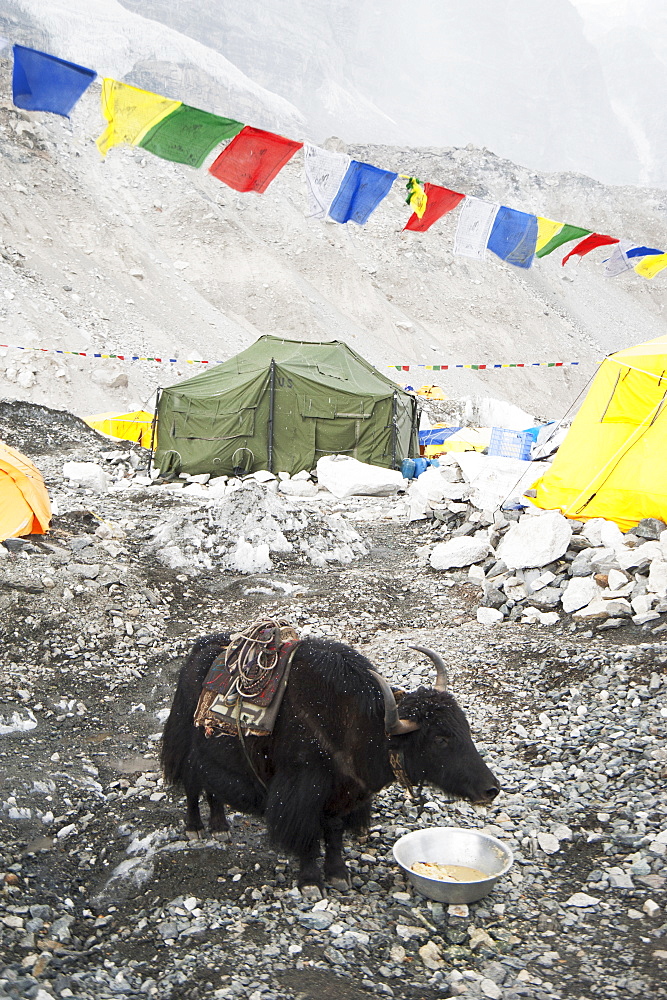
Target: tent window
[[200, 425], [336, 437], [633, 397]]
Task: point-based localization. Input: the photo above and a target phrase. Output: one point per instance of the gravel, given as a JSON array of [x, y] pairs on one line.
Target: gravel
[[101, 894]]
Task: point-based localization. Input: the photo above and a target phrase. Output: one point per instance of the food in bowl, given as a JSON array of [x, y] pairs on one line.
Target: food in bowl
[[453, 846], [448, 873]]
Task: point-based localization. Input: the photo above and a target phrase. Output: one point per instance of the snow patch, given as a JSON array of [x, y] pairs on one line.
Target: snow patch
[[17, 722]]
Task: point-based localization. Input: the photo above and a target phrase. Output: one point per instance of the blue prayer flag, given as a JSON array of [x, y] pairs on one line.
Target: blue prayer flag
[[641, 252], [362, 189], [44, 83], [514, 236]]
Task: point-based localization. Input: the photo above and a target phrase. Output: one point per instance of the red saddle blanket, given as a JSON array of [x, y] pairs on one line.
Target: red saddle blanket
[[244, 687]]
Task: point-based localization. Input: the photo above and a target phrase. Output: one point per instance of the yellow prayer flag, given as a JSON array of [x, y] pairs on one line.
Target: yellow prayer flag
[[546, 230], [131, 113], [650, 266], [417, 198]]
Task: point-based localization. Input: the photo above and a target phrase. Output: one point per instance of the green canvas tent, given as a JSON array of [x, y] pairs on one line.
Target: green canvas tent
[[280, 405]]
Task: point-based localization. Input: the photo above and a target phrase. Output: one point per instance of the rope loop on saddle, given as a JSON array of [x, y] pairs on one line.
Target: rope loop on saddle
[[252, 655]]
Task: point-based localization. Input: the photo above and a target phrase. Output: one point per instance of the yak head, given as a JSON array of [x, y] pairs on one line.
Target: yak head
[[430, 733]]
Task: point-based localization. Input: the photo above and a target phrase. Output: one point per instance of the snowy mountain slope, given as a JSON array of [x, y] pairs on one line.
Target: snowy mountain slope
[[530, 81], [564, 85], [117, 42]]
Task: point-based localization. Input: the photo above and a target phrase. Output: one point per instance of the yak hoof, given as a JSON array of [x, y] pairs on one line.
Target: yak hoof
[[311, 892], [224, 836], [193, 834], [342, 884]]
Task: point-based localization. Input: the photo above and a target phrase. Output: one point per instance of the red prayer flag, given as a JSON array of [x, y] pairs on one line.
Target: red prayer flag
[[252, 159], [440, 200], [590, 243]]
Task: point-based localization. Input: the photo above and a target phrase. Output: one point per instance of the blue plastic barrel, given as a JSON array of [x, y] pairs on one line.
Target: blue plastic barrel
[[408, 468], [421, 465]]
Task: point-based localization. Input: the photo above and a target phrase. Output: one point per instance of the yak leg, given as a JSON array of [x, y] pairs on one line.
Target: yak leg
[[359, 821], [193, 820], [294, 818], [218, 824], [310, 872], [335, 869]]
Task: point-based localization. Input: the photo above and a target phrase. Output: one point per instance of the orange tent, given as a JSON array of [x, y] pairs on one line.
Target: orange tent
[[24, 502]]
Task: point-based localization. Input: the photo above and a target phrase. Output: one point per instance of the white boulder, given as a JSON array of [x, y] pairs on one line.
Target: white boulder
[[298, 488], [618, 607], [489, 616], [657, 577], [599, 531], [535, 540], [596, 609], [617, 579], [548, 843], [462, 551], [87, 474], [580, 591], [533, 616], [640, 555], [642, 603]]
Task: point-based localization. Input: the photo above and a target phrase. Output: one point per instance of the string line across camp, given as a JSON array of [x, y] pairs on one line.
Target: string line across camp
[[339, 188], [282, 405]]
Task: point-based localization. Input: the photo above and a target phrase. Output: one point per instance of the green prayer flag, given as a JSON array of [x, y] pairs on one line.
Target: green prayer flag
[[565, 235], [188, 135]]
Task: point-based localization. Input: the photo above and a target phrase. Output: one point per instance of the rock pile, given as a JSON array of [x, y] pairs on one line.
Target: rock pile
[[533, 564], [249, 528]]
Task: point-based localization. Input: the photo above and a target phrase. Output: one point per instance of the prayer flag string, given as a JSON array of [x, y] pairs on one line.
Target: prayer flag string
[[482, 366], [487, 365], [339, 189]]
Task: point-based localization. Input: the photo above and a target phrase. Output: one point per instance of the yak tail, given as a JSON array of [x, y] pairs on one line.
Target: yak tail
[[179, 731]]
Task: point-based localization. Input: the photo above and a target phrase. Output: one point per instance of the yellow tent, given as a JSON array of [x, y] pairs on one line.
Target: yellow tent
[[611, 464], [24, 502], [465, 439], [431, 392], [135, 426]]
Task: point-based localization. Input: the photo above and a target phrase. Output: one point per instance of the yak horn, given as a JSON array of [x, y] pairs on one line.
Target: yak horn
[[392, 724], [441, 680]]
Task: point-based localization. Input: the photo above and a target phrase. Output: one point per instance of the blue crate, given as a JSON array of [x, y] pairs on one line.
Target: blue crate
[[510, 444]]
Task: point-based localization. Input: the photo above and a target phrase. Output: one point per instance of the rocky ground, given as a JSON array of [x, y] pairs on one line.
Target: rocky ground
[[103, 897]]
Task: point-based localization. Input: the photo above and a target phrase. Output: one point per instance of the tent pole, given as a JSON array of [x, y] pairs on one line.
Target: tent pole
[[272, 398], [153, 429], [394, 411], [414, 428]]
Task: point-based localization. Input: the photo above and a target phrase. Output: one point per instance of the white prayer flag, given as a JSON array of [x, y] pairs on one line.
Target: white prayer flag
[[324, 174], [475, 224], [619, 262]]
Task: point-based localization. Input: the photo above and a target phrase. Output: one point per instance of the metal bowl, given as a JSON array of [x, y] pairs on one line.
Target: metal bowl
[[453, 845]]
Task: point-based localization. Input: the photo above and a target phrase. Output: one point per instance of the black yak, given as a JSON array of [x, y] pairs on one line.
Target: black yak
[[337, 740]]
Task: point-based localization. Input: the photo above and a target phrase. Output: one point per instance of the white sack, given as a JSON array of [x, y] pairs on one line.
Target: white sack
[[345, 477]]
